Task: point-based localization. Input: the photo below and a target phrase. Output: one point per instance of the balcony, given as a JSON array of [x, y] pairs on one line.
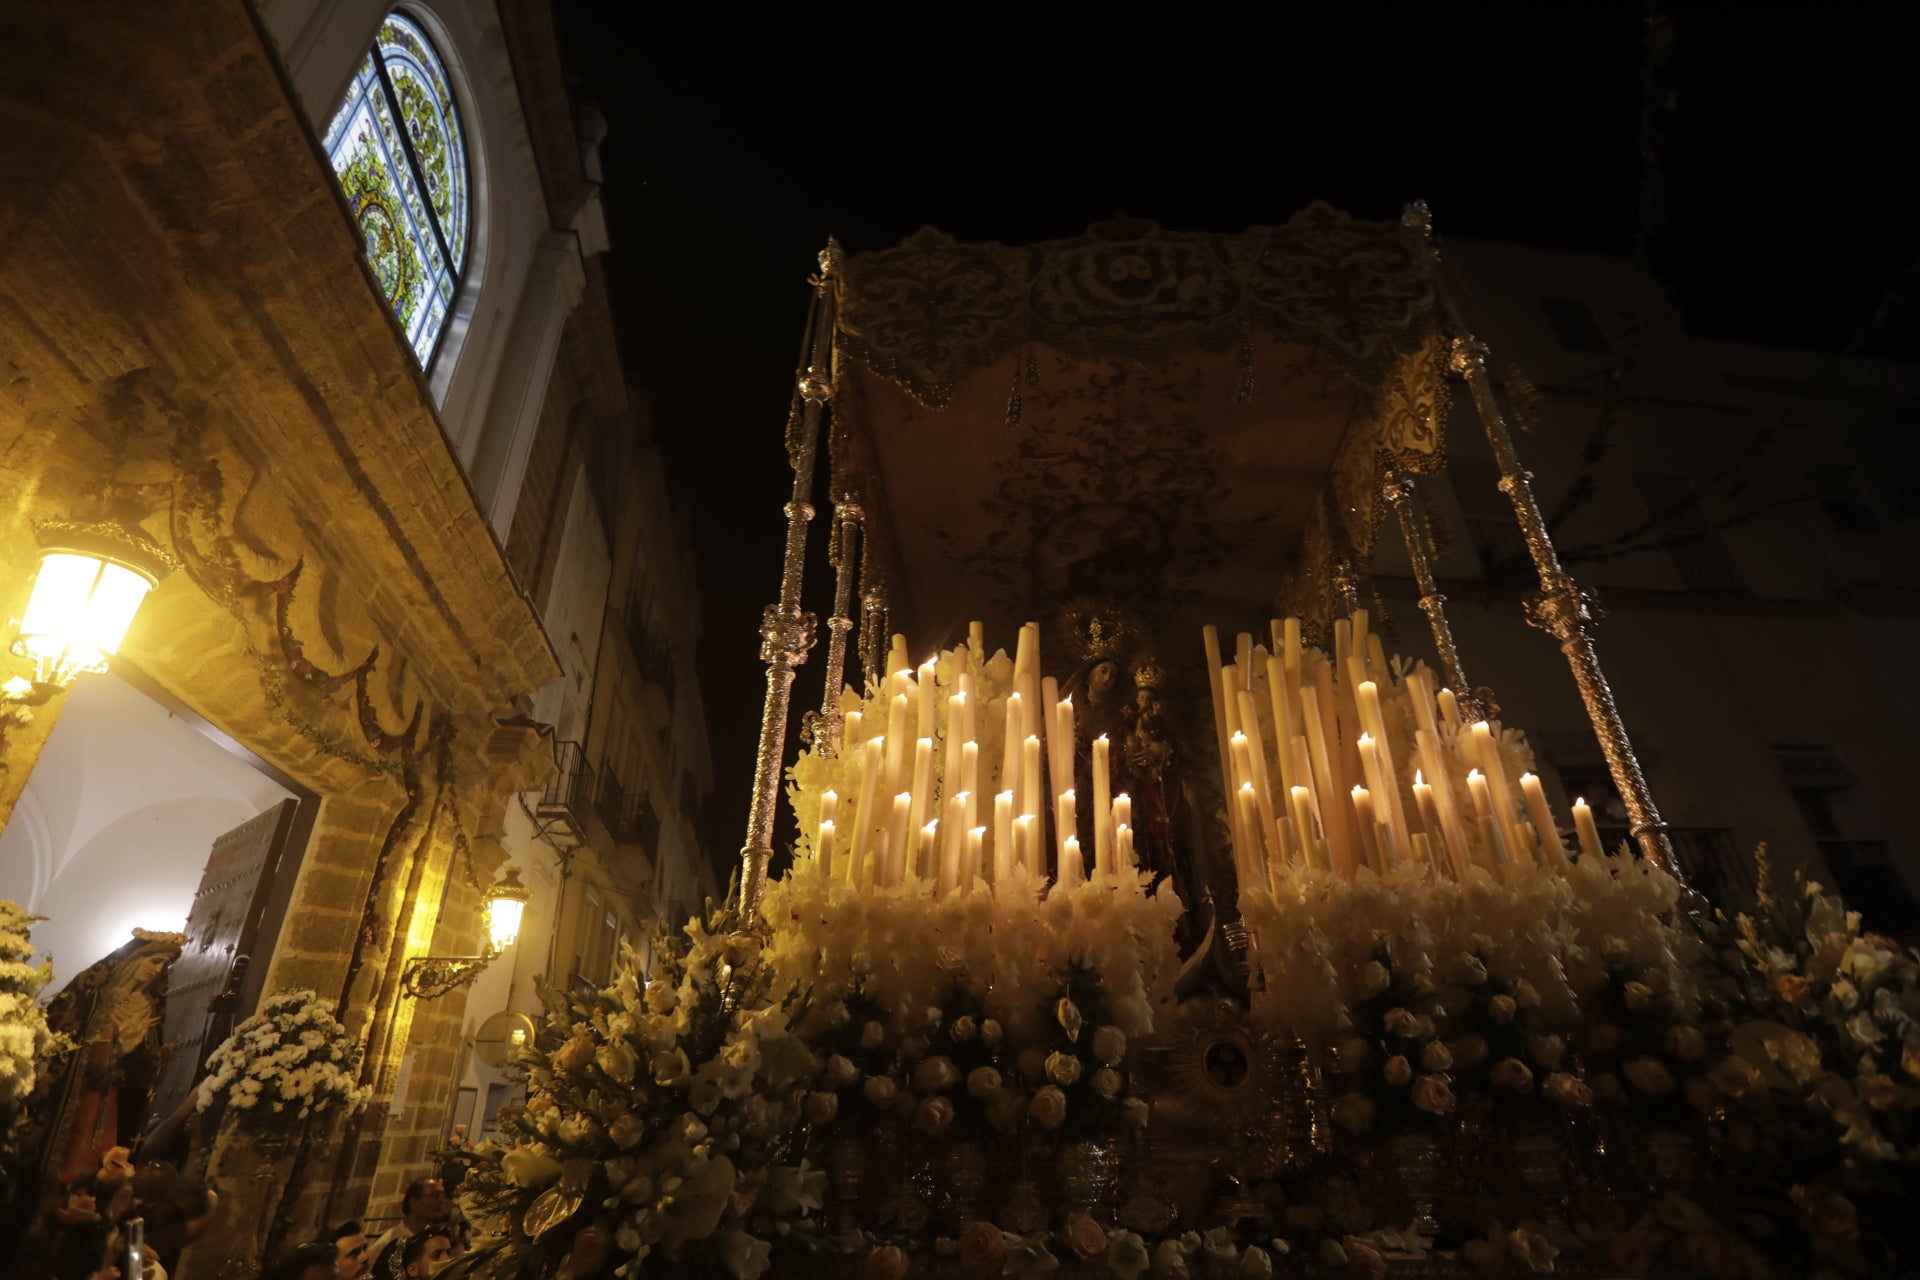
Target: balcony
[[563, 805], [1865, 875], [628, 815], [1709, 858], [654, 657]]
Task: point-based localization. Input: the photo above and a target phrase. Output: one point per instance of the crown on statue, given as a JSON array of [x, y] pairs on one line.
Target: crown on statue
[[1100, 630], [1149, 674]]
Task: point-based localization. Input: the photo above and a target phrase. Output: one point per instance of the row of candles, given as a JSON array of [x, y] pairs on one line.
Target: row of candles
[[920, 759], [1317, 777]]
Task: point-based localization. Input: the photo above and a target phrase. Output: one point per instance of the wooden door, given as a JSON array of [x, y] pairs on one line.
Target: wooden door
[[204, 998]]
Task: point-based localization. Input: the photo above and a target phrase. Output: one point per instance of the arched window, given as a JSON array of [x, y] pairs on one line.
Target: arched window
[[408, 186]]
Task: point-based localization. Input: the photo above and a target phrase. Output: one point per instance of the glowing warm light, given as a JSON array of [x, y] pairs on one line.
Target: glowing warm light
[[79, 612], [506, 903]]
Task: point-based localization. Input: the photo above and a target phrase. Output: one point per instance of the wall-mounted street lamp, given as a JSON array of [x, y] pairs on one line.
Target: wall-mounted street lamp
[[91, 581], [504, 904]]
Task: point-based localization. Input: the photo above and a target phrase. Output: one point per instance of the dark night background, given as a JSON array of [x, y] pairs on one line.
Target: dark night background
[[1771, 200]]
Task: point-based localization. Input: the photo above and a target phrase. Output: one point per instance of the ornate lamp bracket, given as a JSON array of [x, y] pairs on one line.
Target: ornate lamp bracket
[[430, 977]]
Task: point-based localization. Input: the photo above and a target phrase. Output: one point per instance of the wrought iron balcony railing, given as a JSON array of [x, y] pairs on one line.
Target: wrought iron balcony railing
[[570, 790]]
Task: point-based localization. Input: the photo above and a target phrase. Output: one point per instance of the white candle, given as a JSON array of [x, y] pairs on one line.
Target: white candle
[[1449, 708], [823, 848], [1483, 808], [1123, 810], [956, 735], [1282, 723], [1010, 748], [927, 852], [1248, 861], [1003, 861], [1073, 871], [850, 731], [1430, 823], [1123, 848], [1063, 757], [1026, 840], [927, 687], [1257, 759], [970, 866], [896, 737], [1536, 797], [922, 782], [899, 833], [1367, 694], [1102, 808], [862, 870], [1030, 777], [953, 838], [970, 778], [1590, 846], [1303, 817], [1369, 828], [1065, 824]]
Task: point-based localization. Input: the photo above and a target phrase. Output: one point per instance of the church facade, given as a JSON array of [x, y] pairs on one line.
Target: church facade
[[307, 297]]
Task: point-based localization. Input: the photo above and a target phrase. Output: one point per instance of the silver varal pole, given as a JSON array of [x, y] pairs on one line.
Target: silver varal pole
[[1559, 608], [787, 630]]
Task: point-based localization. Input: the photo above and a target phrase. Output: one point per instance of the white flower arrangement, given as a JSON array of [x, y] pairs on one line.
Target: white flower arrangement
[[1009, 948], [1557, 929], [290, 1066], [655, 1124], [25, 1039]]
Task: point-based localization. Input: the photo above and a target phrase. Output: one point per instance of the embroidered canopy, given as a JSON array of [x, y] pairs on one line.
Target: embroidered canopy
[[1191, 425]]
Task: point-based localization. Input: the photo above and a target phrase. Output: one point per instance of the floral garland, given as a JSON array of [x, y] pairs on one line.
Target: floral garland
[[658, 1120], [287, 1069], [25, 1039]]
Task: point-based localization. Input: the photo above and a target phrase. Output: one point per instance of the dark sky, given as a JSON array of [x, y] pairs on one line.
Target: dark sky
[[737, 144]]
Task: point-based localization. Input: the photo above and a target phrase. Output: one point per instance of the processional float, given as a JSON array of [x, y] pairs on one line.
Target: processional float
[[1143, 910], [1131, 435]]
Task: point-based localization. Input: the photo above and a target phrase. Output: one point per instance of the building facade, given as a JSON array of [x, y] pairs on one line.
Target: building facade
[[1750, 521], [309, 297]]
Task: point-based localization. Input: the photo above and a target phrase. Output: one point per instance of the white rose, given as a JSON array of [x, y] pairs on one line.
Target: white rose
[[1110, 1045]]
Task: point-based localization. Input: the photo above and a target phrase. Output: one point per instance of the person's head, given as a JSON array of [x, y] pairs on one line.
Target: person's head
[[426, 1253], [350, 1250], [424, 1201], [308, 1262]]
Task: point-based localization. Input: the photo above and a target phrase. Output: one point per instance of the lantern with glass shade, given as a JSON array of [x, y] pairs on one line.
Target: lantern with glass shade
[[91, 581], [503, 904]]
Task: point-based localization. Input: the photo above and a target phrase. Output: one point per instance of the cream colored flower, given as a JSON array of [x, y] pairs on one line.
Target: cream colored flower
[[1106, 1082], [1398, 1070], [670, 1068], [1566, 1090], [822, 1106], [1127, 1254], [1435, 1056], [1500, 1010], [880, 1090], [936, 1074], [1084, 1236], [1649, 1075], [991, 1033], [1048, 1107], [1431, 1093], [1109, 1045], [1137, 1111], [1469, 1050], [1547, 1052], [1063, 1068], [1511, 1073], [1067, 1013], [933, 1116]]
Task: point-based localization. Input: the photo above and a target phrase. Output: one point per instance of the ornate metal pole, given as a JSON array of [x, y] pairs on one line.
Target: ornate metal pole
[[786, 630], [845, 553], [1403, 492], [1560, 608]]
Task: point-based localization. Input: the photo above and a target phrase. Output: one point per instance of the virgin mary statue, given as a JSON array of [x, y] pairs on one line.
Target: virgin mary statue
[[114, 1011]]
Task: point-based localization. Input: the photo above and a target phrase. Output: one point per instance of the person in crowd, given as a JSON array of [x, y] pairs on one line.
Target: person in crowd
[[423, 1205], [425, 1254], [177, 1209], [350, 1251], [308, 1262]]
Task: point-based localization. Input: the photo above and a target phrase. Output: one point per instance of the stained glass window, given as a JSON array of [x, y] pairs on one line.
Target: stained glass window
[[407, 183]]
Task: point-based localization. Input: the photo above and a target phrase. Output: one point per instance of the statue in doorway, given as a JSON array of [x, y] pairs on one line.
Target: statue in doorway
[[114, 1012]]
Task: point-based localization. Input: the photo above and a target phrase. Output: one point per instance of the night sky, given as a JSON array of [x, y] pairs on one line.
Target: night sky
[[1783, 138]]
